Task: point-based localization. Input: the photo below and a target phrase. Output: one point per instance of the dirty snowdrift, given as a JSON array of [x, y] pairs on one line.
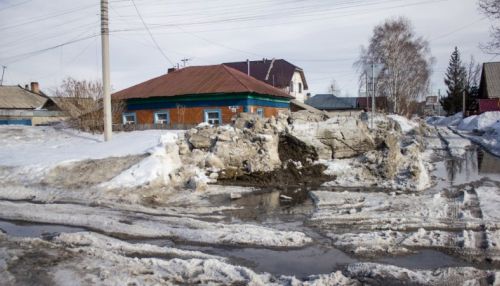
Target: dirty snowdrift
[[84, 258], [293, 149], [482, 129]]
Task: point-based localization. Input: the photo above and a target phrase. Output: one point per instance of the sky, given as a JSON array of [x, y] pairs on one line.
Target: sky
[[49, 40]]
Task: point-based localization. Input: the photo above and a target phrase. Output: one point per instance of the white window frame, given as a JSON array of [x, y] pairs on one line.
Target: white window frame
[[207, 111], [157, 121], [124, 118], [260, 112]]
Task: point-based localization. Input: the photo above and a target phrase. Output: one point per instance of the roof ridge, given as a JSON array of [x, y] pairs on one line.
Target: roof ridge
[[228, 69]]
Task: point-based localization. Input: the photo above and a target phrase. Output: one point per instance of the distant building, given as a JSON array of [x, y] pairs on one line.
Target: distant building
[[489, 89], [432, 106], [189, 96], [330, 102], [278, 73], [27, 106], [347, 105]]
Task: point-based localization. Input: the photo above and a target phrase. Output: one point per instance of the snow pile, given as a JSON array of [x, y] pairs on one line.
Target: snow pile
[[378, 274], [445, 121], [405, 124], [480, 122], [47, 146], [156, 169], [86, 239]]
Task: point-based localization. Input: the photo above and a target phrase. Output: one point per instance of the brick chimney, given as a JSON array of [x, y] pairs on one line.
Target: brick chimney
[[35, 88], [171, 70]]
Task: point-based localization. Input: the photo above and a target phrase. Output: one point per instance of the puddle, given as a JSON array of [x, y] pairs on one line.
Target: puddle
[[35, 230], [473, 166], [317, 259], [301, 262], [424, 259], [284, 205]]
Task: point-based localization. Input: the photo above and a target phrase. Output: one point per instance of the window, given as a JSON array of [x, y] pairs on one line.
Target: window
[[213, 117], [300, 87], [162, 117], [260, 112], [129, 118], [291, 86]]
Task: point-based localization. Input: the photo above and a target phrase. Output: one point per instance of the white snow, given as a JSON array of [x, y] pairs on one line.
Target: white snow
[[47, 146], [482, 129], [489, 199], [479, 122], [85, 239], [405, 124], [445, 121], [156, 168]]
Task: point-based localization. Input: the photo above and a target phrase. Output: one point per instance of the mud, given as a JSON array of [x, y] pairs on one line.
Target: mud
[[297, 169], [31, 266]]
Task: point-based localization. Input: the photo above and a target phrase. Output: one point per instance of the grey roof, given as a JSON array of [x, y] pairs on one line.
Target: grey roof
[[16, 97], [491, 77], [332, 102]]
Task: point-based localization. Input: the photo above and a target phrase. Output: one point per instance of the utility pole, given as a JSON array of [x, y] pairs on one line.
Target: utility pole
[[463, 104], [108, 127], [3, 73], [373, 92], [367, 93]]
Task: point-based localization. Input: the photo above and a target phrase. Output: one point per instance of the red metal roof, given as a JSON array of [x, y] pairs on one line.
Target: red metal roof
[[200, 80], [275, 72]]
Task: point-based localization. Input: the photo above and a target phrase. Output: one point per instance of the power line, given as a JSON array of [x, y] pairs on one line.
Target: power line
[[151, 34], [27, 55], [15, 5]]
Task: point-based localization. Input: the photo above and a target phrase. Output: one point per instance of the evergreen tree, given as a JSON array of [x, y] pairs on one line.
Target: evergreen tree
[[455, 80]]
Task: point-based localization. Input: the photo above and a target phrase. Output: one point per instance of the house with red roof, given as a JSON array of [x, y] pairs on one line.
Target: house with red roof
[[192, 95], [278, 73], [489, 89]]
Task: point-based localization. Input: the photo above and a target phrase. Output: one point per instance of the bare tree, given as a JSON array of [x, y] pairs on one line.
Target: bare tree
[[491, 8], [473, 69], [82, 101], [406, 63]]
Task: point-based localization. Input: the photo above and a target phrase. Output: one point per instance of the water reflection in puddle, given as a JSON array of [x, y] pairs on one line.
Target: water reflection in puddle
[[35, 230], [473, 166]]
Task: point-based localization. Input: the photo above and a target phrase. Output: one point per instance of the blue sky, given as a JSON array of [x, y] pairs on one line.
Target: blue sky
[[321, 36]]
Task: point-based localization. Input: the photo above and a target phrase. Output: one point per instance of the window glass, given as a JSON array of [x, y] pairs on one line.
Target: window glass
[[291, 86], [213, 117], [260, 112], [162, 118], [300, 87], [129, 118]]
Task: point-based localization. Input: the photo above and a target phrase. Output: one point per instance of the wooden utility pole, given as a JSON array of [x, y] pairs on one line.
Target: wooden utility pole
[[3, 73], [463, 104], [373, 92], [105, 71]]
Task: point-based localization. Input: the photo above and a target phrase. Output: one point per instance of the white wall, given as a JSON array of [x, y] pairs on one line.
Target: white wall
[[296, 79]]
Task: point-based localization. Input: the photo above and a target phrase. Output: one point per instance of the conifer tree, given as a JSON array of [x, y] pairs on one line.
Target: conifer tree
[[456, 81]]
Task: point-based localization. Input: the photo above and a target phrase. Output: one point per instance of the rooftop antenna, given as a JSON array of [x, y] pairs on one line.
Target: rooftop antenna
[[3, 73], [185, 61]]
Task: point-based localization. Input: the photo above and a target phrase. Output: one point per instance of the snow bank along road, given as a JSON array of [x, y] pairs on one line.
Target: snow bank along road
[[439, 196]]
